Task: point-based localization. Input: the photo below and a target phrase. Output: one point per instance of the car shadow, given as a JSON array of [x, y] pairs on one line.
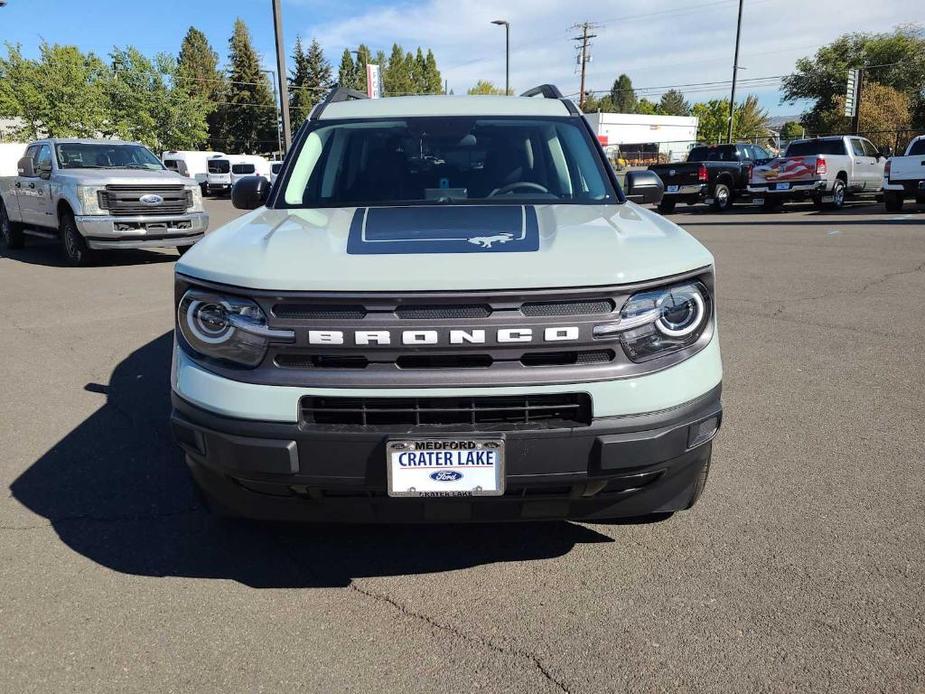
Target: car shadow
[[48, 253], [117, 491]]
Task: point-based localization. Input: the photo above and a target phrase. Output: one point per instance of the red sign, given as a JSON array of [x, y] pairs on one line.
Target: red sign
[[603, 139]]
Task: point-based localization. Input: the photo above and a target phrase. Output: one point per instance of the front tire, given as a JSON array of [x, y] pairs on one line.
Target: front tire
[[10, 231], [893, 201], [73, 244], [666, 206], [722, 197]]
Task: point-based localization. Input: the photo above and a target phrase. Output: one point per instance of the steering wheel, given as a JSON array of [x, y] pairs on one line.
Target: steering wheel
[[511, 187]]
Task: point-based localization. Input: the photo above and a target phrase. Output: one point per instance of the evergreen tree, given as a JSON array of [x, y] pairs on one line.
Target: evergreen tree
[[300, 97], [395, 77], [250, 121], [347, 72], [319, 72], [420, 72], [622, 95], [198, 73], [433, 81], [364, 57], [673, 103]]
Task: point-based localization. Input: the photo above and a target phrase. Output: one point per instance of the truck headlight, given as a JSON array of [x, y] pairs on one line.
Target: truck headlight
[[227, 328], [660, 321], [89, 197], [197, 199]]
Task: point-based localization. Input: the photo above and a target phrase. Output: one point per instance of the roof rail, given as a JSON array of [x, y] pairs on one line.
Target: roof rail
[[548, 91], [335, 95], [551, 91]]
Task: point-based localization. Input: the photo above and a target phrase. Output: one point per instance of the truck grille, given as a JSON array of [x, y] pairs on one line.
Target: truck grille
[[125, 200], [498, 413]]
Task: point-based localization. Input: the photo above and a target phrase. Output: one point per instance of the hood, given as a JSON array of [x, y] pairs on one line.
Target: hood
[[122, 176], [452, 248]]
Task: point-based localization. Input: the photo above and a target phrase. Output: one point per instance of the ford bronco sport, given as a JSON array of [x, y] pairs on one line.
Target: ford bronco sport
[[447, 309]]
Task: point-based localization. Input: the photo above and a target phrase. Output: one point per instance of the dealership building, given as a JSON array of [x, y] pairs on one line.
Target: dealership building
[[642, 139]]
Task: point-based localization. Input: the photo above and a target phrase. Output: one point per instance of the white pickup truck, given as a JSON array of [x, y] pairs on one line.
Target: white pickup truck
[[904, 177], [823, 169]]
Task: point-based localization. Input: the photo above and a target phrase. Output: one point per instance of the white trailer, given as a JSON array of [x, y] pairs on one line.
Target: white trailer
[[665, 139]]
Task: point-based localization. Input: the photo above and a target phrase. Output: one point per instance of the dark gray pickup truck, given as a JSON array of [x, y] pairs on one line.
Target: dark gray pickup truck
[[715, 174]]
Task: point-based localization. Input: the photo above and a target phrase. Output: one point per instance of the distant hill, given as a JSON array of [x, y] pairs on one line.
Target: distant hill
[[775, 122]]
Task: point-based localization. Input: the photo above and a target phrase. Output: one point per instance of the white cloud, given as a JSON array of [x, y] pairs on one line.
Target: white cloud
[[661, 43]]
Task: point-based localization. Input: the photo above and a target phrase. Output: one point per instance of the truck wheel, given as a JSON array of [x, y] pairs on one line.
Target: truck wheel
[[75, 248], [893, 201], [10, 232], [722, 197], [838, 195], [666, 206]]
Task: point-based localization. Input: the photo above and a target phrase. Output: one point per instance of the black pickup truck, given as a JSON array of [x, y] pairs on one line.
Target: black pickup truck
[[714, 174]]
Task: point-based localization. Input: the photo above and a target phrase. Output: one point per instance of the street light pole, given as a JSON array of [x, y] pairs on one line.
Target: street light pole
[[281, 73], [507, 53], [735, 72]]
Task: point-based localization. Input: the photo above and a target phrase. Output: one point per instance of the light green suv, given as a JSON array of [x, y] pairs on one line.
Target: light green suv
[[446, 309]]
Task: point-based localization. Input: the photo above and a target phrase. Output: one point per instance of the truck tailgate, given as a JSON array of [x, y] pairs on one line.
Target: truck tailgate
[[785, 170], [907, 168], [677, 174]]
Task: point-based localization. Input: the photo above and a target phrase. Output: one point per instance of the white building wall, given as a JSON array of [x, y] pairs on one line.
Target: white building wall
[[674, 135]]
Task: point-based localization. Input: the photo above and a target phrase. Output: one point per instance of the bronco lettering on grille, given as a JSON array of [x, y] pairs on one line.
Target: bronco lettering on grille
[[432, 337]]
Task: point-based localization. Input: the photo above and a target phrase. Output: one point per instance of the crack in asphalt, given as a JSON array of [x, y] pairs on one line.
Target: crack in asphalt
[[477, 640]]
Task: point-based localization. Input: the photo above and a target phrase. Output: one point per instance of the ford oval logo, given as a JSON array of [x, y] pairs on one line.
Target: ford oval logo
[[151, 199], [446, 476]]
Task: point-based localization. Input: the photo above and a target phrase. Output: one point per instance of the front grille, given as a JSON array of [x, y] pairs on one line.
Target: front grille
[[568, 308], [438, 312], [298, 360], [300, 311], [125, 200], [496, 412]]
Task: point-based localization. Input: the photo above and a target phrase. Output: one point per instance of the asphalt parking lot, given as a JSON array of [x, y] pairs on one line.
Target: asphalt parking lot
[[802, 568]]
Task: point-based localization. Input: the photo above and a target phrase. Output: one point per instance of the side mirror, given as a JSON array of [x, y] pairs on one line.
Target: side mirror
[[644, 187], [250, 192], [24, 167]]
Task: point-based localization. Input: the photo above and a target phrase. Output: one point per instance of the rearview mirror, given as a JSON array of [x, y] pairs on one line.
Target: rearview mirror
[[250, 192], [24, 167], [644, 187]]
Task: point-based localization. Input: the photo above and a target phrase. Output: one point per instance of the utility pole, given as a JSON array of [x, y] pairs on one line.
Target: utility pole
[[584, 54], [735, 73], [507, 53], [281, 74]]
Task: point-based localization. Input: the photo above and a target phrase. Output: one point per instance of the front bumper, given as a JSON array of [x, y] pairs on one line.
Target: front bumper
[[616, 467], [110, 232]]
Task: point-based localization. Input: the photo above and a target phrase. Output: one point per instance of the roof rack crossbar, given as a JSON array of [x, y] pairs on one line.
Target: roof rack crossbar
[[548, 91], [335, 95]]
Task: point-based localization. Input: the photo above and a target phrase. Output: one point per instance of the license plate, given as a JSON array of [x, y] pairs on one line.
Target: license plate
[[781, 186], [672, 189], [828, 198], [445, 467], [757, 201], [709, 201]]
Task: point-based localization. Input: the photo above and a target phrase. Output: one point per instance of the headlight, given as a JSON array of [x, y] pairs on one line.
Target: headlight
[[90, 199], [197, 199], [659, 321], [227, 328]]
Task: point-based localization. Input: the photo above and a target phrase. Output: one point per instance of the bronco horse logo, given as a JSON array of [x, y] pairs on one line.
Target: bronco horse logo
[[488, 241]]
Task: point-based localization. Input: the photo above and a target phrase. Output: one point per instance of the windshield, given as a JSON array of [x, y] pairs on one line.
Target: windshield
[[219, 166], [78, 155], [276, 167], [918, 147], [810, 147], [447, 160], [243, 169]]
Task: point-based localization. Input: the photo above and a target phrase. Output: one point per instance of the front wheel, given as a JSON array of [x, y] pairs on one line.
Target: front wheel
[[722, 197], [74, 245], [893, 201], [10, 231], [666, 206]]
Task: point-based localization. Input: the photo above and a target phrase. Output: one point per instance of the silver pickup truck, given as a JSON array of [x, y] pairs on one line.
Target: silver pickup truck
[[823, 169], [99, 195]]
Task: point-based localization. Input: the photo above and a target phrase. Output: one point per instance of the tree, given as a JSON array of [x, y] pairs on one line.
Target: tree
[[791, 130], [396, 77], [62, 94], [883, 111], [646, 107], [300, 95], [750, 120], [433, 81], [673, 103], [197, 70], [485, 87], [250, 121], [622, 95], [347, 72], [895, 60]]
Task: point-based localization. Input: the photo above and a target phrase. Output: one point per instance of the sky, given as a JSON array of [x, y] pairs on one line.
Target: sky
[[659, 44]]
